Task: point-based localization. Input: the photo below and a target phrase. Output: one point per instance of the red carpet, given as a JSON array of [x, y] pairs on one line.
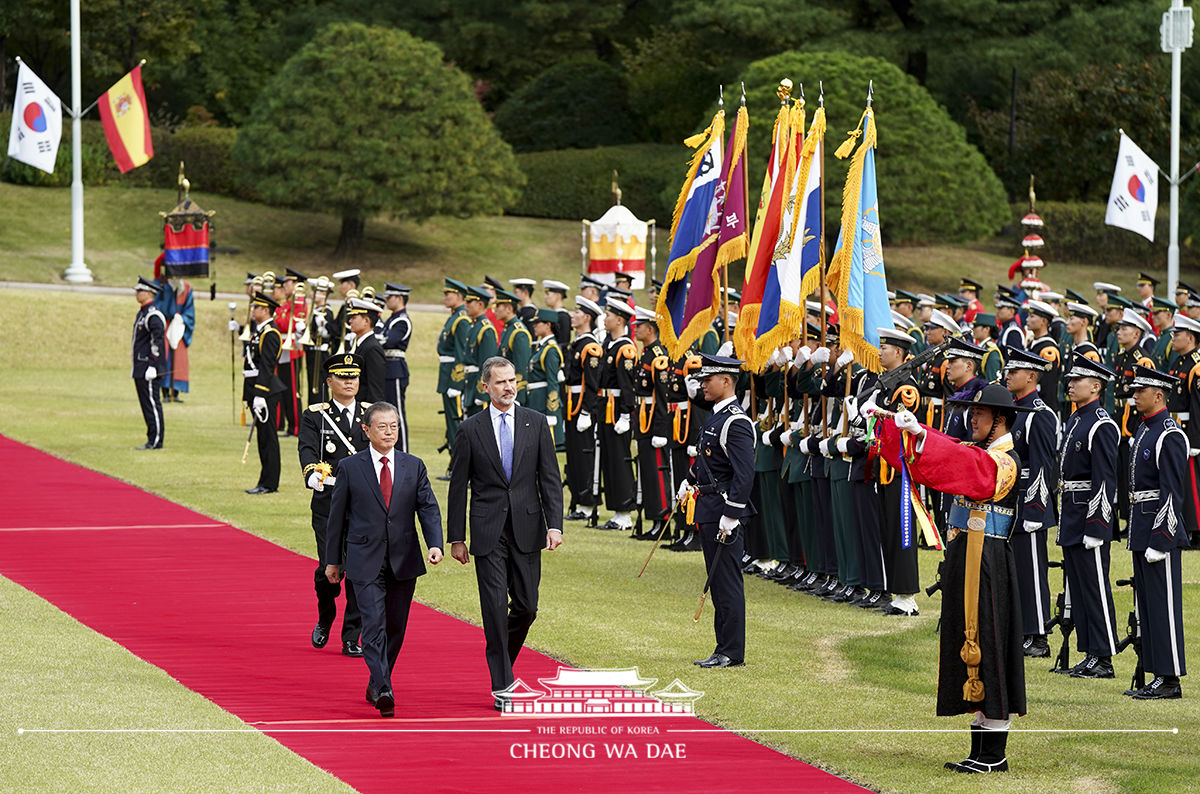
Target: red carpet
[[228, 615]]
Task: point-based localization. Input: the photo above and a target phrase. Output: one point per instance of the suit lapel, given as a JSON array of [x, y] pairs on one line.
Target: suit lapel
[[521, 434], [372, 479], [487, 430]]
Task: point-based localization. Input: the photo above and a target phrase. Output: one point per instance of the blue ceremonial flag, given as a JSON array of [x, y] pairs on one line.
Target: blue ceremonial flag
[[856, 272]]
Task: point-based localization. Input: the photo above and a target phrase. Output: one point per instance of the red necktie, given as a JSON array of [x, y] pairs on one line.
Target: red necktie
[[385, 483]]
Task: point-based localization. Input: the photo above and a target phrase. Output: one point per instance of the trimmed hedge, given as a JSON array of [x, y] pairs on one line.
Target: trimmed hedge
[[573, 184], [1075, 233], [99, 168]]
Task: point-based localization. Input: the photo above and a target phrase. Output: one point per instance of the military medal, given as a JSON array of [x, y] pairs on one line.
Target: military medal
[[330, 446]]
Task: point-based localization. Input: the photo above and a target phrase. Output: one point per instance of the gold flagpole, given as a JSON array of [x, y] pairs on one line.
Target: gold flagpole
[[821, 270]]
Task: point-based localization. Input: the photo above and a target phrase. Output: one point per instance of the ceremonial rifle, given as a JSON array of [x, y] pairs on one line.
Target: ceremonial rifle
[[1133, 636], [1065, 623]]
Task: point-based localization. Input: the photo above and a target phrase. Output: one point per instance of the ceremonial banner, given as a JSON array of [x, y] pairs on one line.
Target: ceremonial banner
[[1133, 199], [795, 273], [617, 244], [36, 122], [686, 312], [765, 235], [127, 122], [856, 272]]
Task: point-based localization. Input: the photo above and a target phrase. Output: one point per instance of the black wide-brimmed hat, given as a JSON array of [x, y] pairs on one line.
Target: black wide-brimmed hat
[[992, 396]]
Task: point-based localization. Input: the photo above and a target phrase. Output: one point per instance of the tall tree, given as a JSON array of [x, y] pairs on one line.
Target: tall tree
[[366, 120]]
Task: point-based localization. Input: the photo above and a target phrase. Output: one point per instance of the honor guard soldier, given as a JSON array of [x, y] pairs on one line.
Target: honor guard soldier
[[149, 360], [984, 333], [330, 432], [347, 284], [1128, 357], [482, 344], [452, 360], [1036, 441], [583, 370], [932, 377], [684, 419], [1184, 406], [905, 304], [720, 481], [361, 315], [1163, 319], [1145, 289], [652, 431], [1114, 312], [1007, 307], [322, 324], [1081, 320], [1104, 294], [616, 395], [493, 287], [1088, 483], [1041, 314], [555, 293], [516, 342], [1182, 288], [525, 308], [397, 331], [969, 291], [262, 388], [1158, 479], [290, 320], [545, 373]]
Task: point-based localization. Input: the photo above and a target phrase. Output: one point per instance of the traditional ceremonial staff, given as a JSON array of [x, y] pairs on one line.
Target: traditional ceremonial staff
[[249, 438]]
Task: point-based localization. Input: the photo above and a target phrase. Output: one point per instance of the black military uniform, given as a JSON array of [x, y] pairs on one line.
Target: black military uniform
[[260, 381], [1036, 442], [329, 433], [583, 371], [374, 362], [685, 419], [322, 327], [723, 476], [397, 332], [652, 430], [1088, 481], [1158, 478], [616, 382], [1184, 405], [1124, 363], [1047, 348], [149, 363]]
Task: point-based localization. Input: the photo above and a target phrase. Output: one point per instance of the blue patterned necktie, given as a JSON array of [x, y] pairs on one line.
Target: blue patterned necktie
[[506, 446]]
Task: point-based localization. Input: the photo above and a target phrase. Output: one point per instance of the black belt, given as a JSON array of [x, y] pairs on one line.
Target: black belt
[[714, 487]]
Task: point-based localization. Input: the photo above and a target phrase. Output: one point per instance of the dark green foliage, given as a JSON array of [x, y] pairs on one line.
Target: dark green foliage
[[99, 168], [670, 82], [575, 184], [364, 121], [933, 185], [577, 104], [1075, 233]]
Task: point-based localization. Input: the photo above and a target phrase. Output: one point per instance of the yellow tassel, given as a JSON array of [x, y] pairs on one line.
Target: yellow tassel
[[715, 130]]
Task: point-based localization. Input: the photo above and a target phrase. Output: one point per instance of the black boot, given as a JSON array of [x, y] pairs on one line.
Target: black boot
[[976, 741], [992, 754]]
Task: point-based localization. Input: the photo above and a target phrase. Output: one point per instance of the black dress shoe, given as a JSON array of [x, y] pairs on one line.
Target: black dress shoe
[[320, 636], [576, 515], [720, 660], [1161, 688], [351, 649], [1093, 667], [258, 489], [147, 446], [1036, 646], [611, 525], [386, 704], [891, 610], [372, 695]]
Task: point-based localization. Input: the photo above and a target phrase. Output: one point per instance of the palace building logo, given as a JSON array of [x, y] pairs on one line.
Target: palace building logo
[[597, 693]]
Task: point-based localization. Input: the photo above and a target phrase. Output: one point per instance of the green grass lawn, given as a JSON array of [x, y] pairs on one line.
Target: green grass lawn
[[812, 665]]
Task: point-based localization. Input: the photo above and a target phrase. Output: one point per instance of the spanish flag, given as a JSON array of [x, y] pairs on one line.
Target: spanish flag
[[126, 122]]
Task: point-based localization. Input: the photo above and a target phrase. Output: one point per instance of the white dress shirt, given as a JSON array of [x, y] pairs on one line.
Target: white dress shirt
[[494, 414], [377, 459]]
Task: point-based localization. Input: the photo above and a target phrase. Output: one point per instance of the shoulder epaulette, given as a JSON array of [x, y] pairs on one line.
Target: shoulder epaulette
[[318, 407], [365, 406]]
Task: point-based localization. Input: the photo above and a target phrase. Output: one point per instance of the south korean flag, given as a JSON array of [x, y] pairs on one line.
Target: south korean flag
[[1133, 200], [36, 122]]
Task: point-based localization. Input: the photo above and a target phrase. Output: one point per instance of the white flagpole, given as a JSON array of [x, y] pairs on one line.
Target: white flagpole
[[77, 272], [1176, 34]]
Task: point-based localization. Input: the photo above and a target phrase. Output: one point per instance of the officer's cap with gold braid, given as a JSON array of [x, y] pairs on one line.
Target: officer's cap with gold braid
[[1147, 280], [1084, 367], [546, 316], [890, 336], [452, 285], [1015, 358], [504, 296], [1147, 377], [261, 299], [346, 365], [361, 306], [479, 294], [1158, 304], [719, 365]]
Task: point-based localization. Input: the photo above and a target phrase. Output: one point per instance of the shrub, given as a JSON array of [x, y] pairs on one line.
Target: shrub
[[1075, 233]]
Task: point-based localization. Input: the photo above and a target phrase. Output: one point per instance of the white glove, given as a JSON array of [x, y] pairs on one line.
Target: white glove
[[726, 349], [845, 358], [552, 420], [907, 421], [785, 354], [562, 376], [319, 321], [584, 422], [233, 326], [314, 482], [693, 387], [259, 405], [1193, 453], [621, 426], [684, 489], [151, 374], [802, 355], [726, 526], [786, 437], [452, 393], [692, 452], [819, 356], [1154, 555], [841, 444], [1032, 526], [1090, 542], [823, 447], [766, 438], [852, 411], [658, 442], [298, 326], [868, 409]]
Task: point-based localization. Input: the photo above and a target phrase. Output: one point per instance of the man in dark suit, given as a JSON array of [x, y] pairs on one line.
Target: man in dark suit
[[506, 456], [378, 493], [361, 318]]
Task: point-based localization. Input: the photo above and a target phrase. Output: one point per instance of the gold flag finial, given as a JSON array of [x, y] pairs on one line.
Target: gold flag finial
[[1032, 195], [616, 189]]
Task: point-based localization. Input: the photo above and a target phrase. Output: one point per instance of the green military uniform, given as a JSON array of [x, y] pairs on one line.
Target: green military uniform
[[452, 359], [516, 344], [545, 368], [482, 344]]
